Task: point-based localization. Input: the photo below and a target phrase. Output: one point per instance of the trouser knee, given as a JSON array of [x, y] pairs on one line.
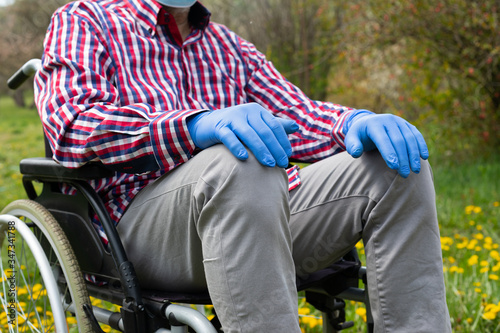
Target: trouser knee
[[385, 179], [253, 188]]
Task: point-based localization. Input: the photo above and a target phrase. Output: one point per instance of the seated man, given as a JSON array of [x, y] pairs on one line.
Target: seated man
[[199, 127]]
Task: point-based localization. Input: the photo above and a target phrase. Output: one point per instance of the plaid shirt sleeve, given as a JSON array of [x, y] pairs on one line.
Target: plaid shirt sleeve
[[321, 123], [84, 116]]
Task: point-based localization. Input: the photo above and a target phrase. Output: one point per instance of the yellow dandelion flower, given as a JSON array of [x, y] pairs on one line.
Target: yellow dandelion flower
[[483, 263], [45, 323], [484, 270], [477, 210], [472, 260], [495, 255], [477, 290], [304, 311], [496, 204], [469, 320], [493, 277], [451, 260], [362, 313], [37, 287], [22, 291], [106, 328], [491, 307], [488, 240], [472, 244], [71, 320], [446, 240], [96, 302], [469, 209], [477, 284], [463, 244], [479, 227], [489, 315], [472, 222], [479, 236], [311, 321], [496, 268]]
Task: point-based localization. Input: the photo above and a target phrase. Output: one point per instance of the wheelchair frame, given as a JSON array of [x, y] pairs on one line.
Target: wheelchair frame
[[144, 310]]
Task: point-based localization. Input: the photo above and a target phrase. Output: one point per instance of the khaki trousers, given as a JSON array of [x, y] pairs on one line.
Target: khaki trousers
[[232, 226]]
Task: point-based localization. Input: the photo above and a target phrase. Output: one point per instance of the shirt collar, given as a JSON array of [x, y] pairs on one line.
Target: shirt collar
[[146, 13]]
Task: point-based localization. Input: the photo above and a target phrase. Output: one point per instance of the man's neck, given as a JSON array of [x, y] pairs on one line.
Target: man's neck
[[181, 16]]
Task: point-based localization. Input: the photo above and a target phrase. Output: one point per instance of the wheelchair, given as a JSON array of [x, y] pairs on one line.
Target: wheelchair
[[54, 262]]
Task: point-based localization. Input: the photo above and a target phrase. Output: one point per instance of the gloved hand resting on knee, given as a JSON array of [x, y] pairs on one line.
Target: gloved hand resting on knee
[[399, 142], [246, 124]]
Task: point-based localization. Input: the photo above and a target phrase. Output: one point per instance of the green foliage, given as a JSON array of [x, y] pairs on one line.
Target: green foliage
[[299, 36], [22, 30], [304, 52], [435, 63]]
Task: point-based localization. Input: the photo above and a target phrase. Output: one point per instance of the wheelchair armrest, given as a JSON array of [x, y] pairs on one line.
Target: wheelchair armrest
[[46, 167]]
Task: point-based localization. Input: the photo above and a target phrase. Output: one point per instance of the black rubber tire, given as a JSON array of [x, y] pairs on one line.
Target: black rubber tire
[[59, 252]]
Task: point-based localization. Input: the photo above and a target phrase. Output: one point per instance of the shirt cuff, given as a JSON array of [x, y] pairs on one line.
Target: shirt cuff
[[342, 125], [170, 138]]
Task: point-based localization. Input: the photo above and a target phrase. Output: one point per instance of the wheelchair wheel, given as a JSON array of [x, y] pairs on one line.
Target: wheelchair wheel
[[25, 291]]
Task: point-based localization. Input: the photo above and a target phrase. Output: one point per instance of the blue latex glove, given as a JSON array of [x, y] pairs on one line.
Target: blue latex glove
[[245, 125], [399, 142]]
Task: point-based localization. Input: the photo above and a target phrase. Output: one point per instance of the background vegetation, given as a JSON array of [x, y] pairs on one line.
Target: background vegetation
[[435, 63]]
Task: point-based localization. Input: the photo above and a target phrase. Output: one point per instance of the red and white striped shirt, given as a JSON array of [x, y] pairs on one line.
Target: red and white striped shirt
[[117, 85]]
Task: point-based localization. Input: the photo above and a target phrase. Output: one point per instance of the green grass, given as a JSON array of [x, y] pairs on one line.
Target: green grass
[[20, 137], [467, 231], [468, 201], [457, 186]]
